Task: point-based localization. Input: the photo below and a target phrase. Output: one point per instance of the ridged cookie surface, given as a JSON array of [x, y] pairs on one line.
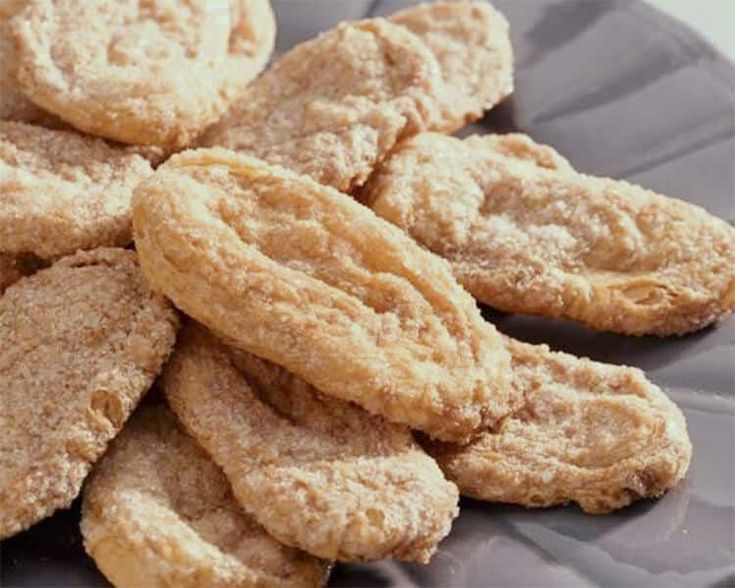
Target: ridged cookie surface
[[306, 277], [471, 43], [318, 473], [526, 233], [80, 342], [157, 512], [595, 434], [335, 105], [61, 191], [155, 72]]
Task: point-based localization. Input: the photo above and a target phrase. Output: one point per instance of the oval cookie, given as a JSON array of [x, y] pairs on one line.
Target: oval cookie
[[307, 278], [61, 191], [471, 43], [126, 69], [157, 512], [318, 473], [524, 232], [335, 105], [80, 342], [595, 434]]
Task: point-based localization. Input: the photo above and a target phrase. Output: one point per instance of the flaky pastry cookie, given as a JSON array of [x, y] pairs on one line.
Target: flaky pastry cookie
[[80, 342], [155, 72], [304, 276], [157, 512], [61, 191], [526, 233], [586, 432], [318, 473], [471, 43]]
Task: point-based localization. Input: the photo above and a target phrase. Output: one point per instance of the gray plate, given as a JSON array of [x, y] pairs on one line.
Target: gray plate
[[621, 90]]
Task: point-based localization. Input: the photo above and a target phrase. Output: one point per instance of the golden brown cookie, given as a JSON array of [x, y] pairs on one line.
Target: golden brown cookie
[[524, 232], [61, 191], [13, 103], [153, 72], [471, 42], [80, 342], [298, 273], [595, 434], [318, 473], [157, 512], [334, 106]]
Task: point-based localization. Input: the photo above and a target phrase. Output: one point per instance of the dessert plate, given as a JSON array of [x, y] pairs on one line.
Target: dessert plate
[[620, 90]]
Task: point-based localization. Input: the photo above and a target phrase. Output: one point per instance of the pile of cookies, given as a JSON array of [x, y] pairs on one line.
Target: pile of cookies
[[288, 265]]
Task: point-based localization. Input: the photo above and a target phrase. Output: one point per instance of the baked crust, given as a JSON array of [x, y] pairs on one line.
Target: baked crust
[[526, 233], [304, 276], [318, 473], [124, 69], [595, 434], [61, 191], [80, 343], [157, 512]]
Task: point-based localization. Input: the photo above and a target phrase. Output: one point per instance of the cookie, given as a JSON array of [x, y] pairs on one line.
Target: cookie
[[598, 435], [155, 72], [526, 233], [471, 42], [61, 191], [13, 103], [299, 274], [80, 342], [318, 473], [334, 106], [158, 512]]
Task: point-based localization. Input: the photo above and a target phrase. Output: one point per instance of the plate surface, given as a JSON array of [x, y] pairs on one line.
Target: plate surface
[[621, 90]]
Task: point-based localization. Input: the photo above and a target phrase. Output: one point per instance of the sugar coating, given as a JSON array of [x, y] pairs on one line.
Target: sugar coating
[[526, 233], [318, 473], [304, 276], [80, 342], [471, 43], [61, 191], [155, 72], [586, 432], [158, 512], [13, 103], [333, 106]]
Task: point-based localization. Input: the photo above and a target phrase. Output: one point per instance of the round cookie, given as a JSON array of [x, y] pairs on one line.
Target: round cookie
[[61, 191], [158, 512], [154, 72], [80, 342]]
